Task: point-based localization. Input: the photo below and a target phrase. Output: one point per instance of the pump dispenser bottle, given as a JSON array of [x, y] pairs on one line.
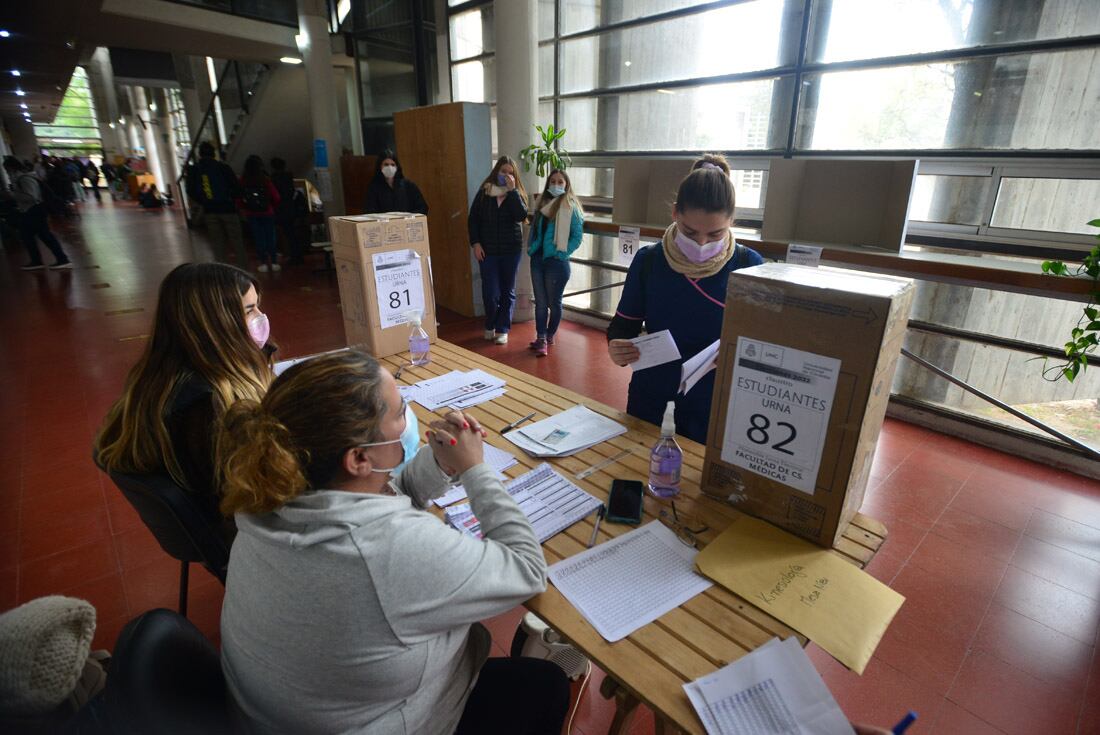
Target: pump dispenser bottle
[[419, 343], [666, 459]]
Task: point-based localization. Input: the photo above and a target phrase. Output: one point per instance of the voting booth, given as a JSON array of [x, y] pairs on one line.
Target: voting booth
[[384, 272], [805, 363]]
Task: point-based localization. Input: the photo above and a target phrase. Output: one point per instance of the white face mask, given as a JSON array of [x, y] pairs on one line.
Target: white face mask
[[389, 171]]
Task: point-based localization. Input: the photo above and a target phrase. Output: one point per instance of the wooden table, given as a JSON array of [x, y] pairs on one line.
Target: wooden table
[[709, 631]]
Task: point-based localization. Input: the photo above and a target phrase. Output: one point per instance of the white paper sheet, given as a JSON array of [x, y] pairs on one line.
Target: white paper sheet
[[695, 367], [456, 389], [623, 584], [565, 433], [629, 242], [551, 502], [657, 348], [774, 690], [399, 281], [283, 365], [498, 459], [804, 255]]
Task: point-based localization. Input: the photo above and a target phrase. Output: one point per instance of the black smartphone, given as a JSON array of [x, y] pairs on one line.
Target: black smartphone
[[625, 503]]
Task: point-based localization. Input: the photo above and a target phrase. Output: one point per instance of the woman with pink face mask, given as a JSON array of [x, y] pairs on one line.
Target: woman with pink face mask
[[679, 284], [209, 347]]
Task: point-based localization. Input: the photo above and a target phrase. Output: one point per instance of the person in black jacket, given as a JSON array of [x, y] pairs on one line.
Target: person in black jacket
[[496, 235], [213, 186], [390, 191], [283, 182]]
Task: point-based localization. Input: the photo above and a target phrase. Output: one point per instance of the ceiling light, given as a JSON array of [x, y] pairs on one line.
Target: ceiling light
[[111, 126], [4, 34], [71, 141], [121, 121], [20, 93], [23, 105], [153, 106], [16, 73], [290, 60], [665, 91], [70, 44], [627, 63]]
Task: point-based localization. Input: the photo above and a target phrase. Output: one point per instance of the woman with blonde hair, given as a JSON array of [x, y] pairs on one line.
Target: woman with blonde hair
[[348, 607], [555, 233], [209, 348], [496, 235]]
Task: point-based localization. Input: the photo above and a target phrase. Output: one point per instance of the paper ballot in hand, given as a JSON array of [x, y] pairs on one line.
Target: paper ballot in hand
[[655, 349], [697, 366]]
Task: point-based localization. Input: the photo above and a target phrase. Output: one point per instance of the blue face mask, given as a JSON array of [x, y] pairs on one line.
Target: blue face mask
[[409, 439], [556, 191]]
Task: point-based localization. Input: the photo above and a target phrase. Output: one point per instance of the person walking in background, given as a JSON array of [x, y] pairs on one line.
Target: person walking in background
[[390, 191], [92, 174], [258, 202], [33, 218], [496, 235], [283, 181], [555, 233], [213, 186], [75, 173]]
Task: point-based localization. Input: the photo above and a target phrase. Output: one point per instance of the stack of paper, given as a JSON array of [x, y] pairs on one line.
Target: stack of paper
[[630, 581], [498, 459], [695, 367], [774, 689], [550, 502], [565, 433], [456, 390]]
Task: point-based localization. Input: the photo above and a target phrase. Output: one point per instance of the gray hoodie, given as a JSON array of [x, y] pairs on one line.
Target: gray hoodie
[[355, 613]]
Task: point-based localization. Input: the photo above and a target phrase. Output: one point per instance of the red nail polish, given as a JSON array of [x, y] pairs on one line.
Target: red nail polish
[[453, 442], [465, 425]]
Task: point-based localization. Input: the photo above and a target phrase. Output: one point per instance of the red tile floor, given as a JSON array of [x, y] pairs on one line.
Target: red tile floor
[[999, 558]]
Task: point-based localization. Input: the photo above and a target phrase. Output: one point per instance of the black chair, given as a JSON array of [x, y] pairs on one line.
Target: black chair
[[164, 677], [184, 528]]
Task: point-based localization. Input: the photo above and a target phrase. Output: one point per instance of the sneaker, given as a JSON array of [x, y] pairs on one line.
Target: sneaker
[[501, 338], [34, 267], [550, 340], [534, 344], [490, 335], [262, 268], [543, 349], [275, 267], [67, 265]]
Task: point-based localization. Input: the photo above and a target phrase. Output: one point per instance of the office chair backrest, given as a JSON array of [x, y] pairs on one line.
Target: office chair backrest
[[165, 677]]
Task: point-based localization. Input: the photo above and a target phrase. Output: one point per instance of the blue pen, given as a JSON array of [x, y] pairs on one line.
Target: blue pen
[[904, 724]]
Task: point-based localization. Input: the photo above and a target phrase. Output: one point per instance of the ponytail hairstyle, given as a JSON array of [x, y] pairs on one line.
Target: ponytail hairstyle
[[708, 187], [491, 179], [293, 441]]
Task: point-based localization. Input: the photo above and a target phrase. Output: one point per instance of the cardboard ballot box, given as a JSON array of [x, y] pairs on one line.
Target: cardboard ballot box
[[384, 272], [805, 365]]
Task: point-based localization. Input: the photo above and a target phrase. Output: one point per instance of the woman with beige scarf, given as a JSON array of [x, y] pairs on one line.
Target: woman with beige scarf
[[555, 233], [679, 284]]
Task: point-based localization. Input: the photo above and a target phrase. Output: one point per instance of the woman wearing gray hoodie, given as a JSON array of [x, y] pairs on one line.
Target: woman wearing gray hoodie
[[348, 608]]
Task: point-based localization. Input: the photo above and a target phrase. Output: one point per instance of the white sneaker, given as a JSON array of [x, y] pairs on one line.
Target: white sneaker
[[262, 268], [502, 339], [490, 335], [275, 267]]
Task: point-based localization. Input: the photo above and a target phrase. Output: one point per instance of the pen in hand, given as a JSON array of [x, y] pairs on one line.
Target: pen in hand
[[596, 528]]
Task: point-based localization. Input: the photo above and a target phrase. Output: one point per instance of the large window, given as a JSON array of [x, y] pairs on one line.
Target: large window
[[74, 131]]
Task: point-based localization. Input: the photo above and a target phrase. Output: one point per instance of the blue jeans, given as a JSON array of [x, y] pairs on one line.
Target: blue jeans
[[548, 278], [498, 290], [263, 232]]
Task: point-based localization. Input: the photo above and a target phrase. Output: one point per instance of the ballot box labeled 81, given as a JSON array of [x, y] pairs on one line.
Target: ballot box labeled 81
[[383, 267]]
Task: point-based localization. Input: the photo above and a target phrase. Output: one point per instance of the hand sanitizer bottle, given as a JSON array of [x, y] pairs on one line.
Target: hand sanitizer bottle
[[419, 344], [666, 459]]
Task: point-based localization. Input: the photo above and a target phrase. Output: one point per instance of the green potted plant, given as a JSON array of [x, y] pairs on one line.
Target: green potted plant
[[1084, 335], [547, 155]]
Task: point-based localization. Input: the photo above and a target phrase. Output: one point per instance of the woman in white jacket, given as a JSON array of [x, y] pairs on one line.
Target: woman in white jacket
[[348, 608]]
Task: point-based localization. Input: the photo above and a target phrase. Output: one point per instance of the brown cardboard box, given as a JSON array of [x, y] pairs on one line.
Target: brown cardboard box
[[805, 365], [359, 244]]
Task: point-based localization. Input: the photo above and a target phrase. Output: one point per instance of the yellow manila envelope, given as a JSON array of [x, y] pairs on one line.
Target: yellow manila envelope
[[834, 603]]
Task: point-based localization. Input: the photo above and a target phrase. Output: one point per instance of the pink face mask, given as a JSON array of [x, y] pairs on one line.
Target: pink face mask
[[260, 329], [695, 252]]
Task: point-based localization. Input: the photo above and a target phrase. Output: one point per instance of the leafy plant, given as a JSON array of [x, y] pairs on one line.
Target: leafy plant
[[1084, 336], [547, 156]]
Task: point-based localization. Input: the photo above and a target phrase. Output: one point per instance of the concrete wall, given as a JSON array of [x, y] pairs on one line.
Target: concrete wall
[[279, 123]]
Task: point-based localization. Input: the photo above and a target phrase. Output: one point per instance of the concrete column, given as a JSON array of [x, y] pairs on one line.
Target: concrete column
[[152, 149], [317, 57], [166, 139], [355, 122], [515, 28], [101, 79]]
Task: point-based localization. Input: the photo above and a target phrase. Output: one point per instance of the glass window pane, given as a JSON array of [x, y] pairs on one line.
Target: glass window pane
[[688, 48], [712, 117], [472, 33], [583, 15], [592, 182], [748, 184], [1051, 205], [473, 81], [867, 29], [583, 277], [959, 200], [546, 19], [546, 70], [1023, 101]]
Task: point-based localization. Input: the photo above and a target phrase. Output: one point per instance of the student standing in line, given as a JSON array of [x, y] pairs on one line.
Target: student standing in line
[[555, 233], [496, 235], [679, 284], [34, 221], [390, 191], [209, 348], [283, 181], [258, 202], [348, 607], [213, 186]]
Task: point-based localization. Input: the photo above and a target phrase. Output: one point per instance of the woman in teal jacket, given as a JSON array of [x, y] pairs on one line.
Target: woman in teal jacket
[[555, 233]]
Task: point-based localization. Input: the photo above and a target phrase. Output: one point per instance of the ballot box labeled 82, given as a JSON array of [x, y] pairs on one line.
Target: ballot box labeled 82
[[383, 267]]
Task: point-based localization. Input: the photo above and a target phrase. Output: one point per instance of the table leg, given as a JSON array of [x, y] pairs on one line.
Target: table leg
[[625, 705]]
